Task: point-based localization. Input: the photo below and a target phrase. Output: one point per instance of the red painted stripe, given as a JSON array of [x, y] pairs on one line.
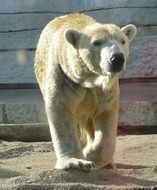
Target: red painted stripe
[[136, 130], [138, 80]]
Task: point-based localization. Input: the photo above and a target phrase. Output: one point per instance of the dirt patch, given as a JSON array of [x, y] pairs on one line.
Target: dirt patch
[[30, 166]]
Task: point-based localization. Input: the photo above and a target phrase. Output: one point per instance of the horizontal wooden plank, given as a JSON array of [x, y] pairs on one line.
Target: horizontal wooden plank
[[16, 22], [119, 16], [64, 6], [19, 40], [14, 71], [28, 39]]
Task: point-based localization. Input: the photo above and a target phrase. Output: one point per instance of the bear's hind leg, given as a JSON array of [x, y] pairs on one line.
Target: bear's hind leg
[[102, 149]]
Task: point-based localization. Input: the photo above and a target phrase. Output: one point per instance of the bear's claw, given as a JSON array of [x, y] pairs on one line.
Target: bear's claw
[[74, 163]]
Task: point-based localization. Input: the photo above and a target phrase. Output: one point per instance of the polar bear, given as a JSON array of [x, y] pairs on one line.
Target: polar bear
[[77, 64]]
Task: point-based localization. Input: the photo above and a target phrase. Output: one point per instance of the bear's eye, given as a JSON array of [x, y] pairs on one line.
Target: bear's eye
[[97, 43], [123, 42]]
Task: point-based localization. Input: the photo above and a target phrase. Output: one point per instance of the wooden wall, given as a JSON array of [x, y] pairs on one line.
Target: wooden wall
[[21, 23]]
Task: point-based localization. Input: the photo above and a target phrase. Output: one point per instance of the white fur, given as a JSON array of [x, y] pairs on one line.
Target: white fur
[[88, 93]]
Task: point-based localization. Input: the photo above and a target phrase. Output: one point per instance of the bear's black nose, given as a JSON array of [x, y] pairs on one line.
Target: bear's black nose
[[116, 63], [117, 58]]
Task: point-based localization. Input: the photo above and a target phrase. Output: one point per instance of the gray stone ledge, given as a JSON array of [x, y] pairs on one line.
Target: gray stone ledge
[[25, 132], [27, 106], [131, 113], [138, 113], [36, 132]]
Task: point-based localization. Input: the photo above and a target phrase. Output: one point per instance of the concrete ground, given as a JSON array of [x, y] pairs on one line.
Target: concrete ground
[[30, 166]]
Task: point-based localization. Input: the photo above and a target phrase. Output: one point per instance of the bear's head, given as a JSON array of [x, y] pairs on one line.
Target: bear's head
[[104, 48]]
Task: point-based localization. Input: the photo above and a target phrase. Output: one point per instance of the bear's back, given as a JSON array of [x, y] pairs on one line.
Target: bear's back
[[58, 26], [76, 21]]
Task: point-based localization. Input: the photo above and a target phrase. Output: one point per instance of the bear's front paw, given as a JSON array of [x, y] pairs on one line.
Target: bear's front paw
[[74, 163]]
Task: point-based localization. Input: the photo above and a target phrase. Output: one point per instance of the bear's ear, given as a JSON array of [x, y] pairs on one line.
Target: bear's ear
[[72, 36], [130, 31]]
